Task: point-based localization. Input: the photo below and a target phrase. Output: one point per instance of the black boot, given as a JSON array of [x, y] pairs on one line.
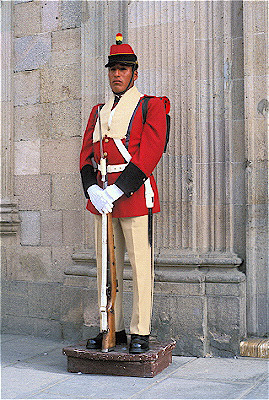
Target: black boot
[[96, 343], [139, 344], [121, 337]]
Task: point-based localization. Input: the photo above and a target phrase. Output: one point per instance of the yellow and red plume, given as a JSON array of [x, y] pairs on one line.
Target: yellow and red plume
[[119, 38]]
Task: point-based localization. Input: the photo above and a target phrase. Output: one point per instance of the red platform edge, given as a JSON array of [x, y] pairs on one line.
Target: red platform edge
[[119, 362]]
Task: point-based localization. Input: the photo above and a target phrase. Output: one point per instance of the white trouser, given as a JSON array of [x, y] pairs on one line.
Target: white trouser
[[131, 233]]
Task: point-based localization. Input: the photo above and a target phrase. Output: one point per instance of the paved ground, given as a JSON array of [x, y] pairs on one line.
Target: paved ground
[[34, 368]]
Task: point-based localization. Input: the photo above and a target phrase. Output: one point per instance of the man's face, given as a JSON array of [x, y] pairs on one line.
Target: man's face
[[119, 77]]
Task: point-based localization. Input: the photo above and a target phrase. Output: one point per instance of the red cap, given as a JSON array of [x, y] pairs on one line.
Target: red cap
[[121, 53]]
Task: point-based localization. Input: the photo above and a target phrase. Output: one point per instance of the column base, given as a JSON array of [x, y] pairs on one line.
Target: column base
[[9, 218], [199, 301]]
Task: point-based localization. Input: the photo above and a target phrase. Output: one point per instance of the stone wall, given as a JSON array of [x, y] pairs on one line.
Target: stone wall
[[209, 59], [44, 86]]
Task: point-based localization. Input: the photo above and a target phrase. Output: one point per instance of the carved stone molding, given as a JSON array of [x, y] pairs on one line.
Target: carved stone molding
[[9, 218], [172, 268]]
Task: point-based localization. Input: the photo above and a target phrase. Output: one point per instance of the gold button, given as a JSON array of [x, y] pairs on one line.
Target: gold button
[[106, 140], [105, 154], [131, 193]]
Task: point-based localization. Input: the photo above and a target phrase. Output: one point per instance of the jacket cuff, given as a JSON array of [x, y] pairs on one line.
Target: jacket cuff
[[131, 179], [88, 177]]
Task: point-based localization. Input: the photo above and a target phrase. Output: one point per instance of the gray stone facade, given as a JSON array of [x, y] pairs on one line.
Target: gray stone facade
[[211, 238]]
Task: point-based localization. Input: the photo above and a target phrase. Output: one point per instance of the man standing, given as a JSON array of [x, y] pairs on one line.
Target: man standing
[[132, 144]]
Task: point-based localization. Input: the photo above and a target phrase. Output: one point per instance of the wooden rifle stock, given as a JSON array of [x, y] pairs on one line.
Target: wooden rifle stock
[[109, 337]]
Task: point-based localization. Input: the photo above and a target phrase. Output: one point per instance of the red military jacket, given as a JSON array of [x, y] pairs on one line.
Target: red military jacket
[[145, 145]]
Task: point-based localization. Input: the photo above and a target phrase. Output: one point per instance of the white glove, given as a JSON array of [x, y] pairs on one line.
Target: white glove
[[114, 192], [100, 199]]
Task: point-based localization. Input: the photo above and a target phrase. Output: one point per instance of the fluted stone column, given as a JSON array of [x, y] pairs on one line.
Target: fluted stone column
[[256, 127], [185, 51]]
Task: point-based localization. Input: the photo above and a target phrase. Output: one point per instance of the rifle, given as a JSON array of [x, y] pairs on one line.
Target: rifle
[[109, 336], [109, 281]]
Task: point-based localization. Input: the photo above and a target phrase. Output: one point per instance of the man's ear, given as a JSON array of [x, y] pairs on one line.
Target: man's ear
[[135, 75]]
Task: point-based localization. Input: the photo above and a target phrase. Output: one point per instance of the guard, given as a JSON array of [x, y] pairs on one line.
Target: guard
[[132, 148]]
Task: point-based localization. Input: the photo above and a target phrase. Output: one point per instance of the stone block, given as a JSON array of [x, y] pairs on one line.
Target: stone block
[[60, 156], [90, 305], [17, 325], [47, 328], [260, 16], [260, 55], [26, 88], [261, 143], [50, 16], [89, 331], [66, 47], [4, 262], [30, 228], [61, 257], [224, 330], [237, 18], [238, 137], [27, 157], [66, 192], [15, 298], [238, 58], [60, 84], [73, 227], [71, 305], [71, 14], [219, 141], [88, 227], [33, 192], [180, 318], [65, 119], [34, 264], [51, 228], [238, 99], [239, 234], [71, 331], [82, 281], [257, 217], [9, 256], [179, 289], [27, 18], [45, 300], [67, 39], [263, 318], [32, 52], [238, 171], [259, 176], [222, 289], [260, 92], [66, 58], [32, 121]]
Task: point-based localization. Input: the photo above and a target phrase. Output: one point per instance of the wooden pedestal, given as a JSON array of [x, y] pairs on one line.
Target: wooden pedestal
[[119, 361]]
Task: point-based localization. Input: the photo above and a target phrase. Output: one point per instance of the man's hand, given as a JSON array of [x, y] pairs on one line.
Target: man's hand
[[114, 192], [101, 200]]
